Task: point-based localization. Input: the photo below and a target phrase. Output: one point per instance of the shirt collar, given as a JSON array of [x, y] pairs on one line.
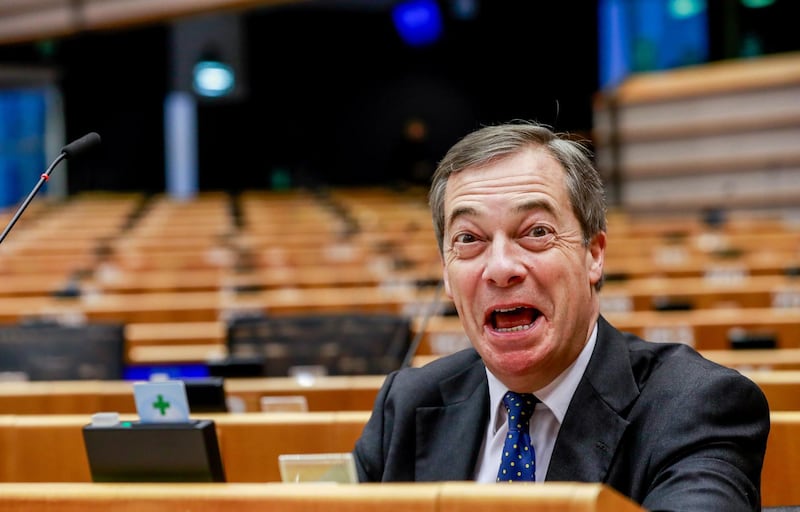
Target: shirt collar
[[556, 395]]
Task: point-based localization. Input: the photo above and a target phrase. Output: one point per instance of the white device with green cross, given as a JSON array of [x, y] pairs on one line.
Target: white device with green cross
[[161, 401]]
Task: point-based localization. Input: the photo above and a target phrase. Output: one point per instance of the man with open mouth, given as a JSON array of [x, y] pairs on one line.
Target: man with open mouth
[[519, 215]]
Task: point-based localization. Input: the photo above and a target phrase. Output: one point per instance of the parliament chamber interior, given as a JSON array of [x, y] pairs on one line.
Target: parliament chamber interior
[[296, 296]]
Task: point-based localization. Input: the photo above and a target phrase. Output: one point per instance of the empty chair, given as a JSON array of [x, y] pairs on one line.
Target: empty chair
[[338, 343]]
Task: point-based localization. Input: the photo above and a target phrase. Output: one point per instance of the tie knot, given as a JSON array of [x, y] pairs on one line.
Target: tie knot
[[520, 408]]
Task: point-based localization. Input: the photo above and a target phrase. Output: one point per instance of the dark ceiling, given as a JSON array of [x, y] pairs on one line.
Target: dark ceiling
[[329, 87]]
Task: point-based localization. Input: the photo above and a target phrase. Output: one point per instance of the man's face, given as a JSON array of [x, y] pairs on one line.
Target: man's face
[[516, 268]]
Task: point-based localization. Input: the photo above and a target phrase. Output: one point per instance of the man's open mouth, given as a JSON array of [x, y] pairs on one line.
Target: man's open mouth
[[513, 319]]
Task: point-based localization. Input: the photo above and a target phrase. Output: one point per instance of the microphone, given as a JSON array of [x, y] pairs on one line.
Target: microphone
[[82, 145], [74, 148], [432, 307]]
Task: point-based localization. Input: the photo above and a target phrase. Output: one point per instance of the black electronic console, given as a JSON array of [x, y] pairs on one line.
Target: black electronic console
[[131, 451], [206, 394]]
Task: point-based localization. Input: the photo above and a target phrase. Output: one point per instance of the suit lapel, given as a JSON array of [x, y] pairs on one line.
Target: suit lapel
[[449, 437], [594, 423]]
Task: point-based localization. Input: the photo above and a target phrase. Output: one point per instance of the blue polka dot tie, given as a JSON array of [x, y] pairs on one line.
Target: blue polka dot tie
[[519, 460]]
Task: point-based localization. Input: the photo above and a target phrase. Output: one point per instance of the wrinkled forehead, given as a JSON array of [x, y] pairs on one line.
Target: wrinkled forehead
[[529, 178]]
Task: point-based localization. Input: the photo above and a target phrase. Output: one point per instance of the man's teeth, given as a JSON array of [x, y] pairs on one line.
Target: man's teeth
[[512, 329]]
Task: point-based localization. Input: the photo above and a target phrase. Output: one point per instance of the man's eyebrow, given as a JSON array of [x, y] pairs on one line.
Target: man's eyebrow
[[460, 212], [535, 204]]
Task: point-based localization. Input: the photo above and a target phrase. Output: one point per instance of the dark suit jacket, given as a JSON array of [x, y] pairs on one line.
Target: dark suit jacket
[[657, 422]]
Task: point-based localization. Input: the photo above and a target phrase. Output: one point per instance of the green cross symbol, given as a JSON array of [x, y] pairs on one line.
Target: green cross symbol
[[161, 405]]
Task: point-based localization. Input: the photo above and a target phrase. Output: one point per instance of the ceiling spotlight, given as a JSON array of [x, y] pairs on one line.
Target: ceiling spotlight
[[418, 22], [212, 78]]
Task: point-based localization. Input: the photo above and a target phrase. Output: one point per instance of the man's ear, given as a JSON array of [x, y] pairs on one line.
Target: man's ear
[[446, 282], [596, 257]]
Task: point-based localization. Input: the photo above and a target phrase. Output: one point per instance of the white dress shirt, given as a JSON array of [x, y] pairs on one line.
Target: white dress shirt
[[545, 422]]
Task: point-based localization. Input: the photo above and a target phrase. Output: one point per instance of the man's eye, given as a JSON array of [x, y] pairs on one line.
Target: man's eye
[[465, 238], [539, 231]]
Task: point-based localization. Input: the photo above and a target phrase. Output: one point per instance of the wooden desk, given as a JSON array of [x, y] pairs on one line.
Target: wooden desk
[[782, 388], [782, 461], [215, 305], [756, 359], [644, 294], [702, 265], [175, 342], [330, 393], [250, 444], [765, 360], [175, 333], [50, 448], [312, 276], [711, 329], [705, 329], [759, 237], [397, 497]]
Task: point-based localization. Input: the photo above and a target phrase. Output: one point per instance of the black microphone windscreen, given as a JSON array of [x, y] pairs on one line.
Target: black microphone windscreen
[[81, 145]]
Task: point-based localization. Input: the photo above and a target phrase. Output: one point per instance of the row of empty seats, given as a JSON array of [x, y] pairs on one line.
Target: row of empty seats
[[133, 280]]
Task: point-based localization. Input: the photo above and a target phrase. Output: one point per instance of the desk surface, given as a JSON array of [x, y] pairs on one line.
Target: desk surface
[[406, 497]]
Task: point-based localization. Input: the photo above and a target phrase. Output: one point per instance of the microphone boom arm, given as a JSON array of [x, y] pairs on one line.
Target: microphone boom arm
[[42, 180], [75, 147]]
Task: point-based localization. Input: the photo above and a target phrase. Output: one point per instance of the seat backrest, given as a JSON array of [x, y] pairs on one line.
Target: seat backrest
[[341, 343], [52, 351]]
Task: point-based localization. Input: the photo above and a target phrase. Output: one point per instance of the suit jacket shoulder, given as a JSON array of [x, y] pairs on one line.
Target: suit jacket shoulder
[[667, 427]]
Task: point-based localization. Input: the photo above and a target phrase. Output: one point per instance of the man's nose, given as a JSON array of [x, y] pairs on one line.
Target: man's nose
[[504, 265]]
